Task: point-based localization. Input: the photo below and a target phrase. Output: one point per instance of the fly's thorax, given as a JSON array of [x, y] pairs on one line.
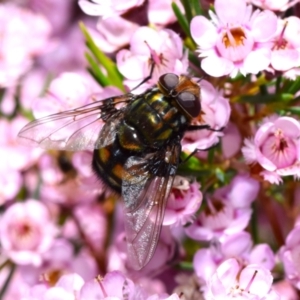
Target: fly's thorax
[[150, 121]]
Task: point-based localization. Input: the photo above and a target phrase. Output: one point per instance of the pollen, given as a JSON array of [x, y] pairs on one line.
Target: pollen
[[234, 37]]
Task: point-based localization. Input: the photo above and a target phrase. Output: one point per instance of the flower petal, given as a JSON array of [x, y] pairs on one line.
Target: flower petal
[[260, 31], [203, 32], [217, 66], [231, 11], [257, 61]]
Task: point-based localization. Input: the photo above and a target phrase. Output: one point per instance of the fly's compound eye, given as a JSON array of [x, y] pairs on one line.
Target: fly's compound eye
[[190, 103], [169, 81]]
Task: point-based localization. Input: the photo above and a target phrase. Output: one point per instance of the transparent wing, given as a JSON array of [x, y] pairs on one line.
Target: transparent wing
[[77, 129], [145, 188]]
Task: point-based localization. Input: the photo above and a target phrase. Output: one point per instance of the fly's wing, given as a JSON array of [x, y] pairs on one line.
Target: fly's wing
[[145, 189], [77, 129]]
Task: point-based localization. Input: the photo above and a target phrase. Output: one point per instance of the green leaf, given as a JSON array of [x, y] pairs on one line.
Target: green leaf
[[294, 110], [113, 75], [181, 19], [187, 8], [196, 8], [96, 71], [269, 98], [295, 87], [220, 174], [186, 265]]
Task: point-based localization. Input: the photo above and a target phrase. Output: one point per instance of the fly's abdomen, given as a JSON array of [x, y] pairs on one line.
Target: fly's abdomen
[[108, 164]]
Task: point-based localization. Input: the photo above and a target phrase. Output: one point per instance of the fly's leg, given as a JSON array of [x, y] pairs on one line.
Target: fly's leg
[[148, 77], [201, 127], [198, 150]]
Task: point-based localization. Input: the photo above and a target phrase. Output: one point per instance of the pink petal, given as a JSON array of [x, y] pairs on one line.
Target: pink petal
[[261, 283], [257, 61], [290, 126], [228, 272], [90, 8], [272, 177], [231, 11], [283, 60], [244, 191], [153, 38], [263, 255], [70, 282], [204, 264], [264, 26], [231, 141], [293, 239], [217, 66], [291, 32], [127, 62], [237, 244], [203, 32]]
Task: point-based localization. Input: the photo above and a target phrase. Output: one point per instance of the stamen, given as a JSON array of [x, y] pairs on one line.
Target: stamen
[[281, 43], [234, 37], [250, 282], [154, 57], [99, 280]]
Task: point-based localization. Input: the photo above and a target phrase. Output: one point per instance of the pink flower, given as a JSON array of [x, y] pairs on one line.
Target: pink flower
[[27, 232], [286, 45], [113, 33], [66, 288], [227, 212], [277, 5], [68, 179], [61, 56], [215, 112], [108, 8], [238, 246], [275, 149], [285, 290], [69, 90], [94, 227], [60, 259], [235, 40], [289, 255], [10, 184], [207, 260], [18, 157], [231, 141], [56, 11], [113, 286], [164, 47], [183, 203], [165, 253], [161, 13], [24, 35], [233, 281]]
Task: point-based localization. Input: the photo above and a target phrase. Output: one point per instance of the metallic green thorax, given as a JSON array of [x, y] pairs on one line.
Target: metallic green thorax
[[152, 120]]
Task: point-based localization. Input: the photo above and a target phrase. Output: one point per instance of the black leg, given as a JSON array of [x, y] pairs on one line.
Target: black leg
[[198, 150], [200, 127], [148, 77]]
